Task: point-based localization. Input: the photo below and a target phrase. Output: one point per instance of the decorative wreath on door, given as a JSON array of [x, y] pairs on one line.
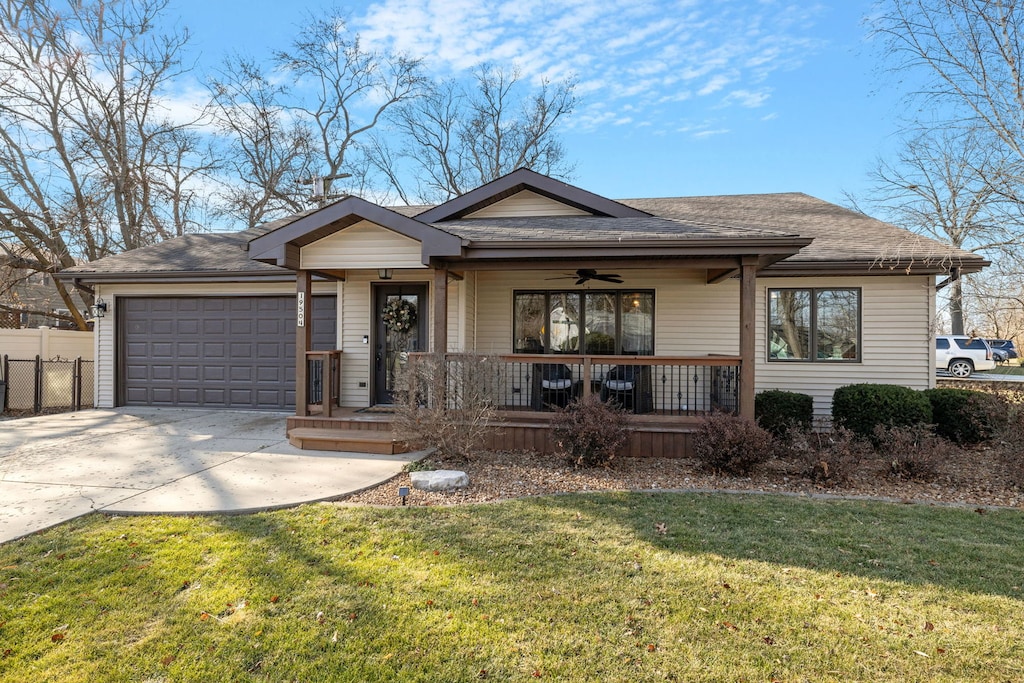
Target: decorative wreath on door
[[399, 315]]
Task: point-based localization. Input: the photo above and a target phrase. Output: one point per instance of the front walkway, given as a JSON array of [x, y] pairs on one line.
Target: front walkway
[[156, 460]]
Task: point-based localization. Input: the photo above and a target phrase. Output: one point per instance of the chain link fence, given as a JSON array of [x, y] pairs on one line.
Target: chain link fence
[[35, 386]]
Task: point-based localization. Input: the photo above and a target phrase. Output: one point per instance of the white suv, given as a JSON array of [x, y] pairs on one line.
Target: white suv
[[962, 355]]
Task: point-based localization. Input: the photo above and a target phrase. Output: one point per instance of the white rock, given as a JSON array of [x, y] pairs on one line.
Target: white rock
[[439, 480]]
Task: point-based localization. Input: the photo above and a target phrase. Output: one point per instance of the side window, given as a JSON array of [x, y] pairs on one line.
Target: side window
[[942, 344], [819, 325], [976, 344]]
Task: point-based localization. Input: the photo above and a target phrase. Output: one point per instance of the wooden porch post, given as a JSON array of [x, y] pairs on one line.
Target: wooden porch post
[[440, 304], [303, 338], [748, 334]]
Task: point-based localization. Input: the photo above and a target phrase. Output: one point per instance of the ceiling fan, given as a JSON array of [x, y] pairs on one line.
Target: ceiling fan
[[585, 274]]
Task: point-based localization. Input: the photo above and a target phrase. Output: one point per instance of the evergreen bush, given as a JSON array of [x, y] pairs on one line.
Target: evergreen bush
[[862, 407], [967, 417], [779, 411]]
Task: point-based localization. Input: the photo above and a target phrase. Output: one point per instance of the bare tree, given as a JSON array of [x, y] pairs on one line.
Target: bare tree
[[965, 59], [970, 55], [940, 185], [457, 137], [269, 151], [306, 117], [91, 162]]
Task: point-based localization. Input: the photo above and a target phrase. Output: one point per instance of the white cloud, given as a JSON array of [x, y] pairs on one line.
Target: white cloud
[[700, 135], [714, 85], [747, 98], [651, 55]]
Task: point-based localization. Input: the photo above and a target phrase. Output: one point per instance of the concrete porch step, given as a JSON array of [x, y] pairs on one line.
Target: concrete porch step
[[346, 440]]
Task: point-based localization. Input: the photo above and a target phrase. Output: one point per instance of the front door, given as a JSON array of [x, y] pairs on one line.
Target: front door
[[400, 326]]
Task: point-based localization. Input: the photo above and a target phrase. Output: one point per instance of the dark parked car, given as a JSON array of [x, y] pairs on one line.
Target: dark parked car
[[1003, 349]]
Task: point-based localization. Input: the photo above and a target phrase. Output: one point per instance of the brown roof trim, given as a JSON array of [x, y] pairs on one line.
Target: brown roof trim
[[179, 276], [280, 247], [872, 267], [525, 179]]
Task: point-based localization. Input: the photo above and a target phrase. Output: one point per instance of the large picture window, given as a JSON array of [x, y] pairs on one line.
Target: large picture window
[[814, 325], [584, 322]]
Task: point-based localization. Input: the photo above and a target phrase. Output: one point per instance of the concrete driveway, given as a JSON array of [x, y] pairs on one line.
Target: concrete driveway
[[158, 460]]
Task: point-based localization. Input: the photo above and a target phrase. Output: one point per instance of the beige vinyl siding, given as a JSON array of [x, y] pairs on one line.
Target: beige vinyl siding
[[106, 332], [363, 245], [467, 311], [896, 339], [354, 298], [455, 300], [527, 203]]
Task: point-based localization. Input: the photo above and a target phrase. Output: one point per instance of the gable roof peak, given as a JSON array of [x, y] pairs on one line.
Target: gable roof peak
[[527, 179]]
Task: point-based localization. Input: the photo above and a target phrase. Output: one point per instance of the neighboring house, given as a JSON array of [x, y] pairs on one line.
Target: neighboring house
[[28, 298], [674, 306]]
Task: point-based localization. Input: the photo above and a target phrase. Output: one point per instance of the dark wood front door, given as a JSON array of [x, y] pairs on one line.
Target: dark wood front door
[[400, 326]]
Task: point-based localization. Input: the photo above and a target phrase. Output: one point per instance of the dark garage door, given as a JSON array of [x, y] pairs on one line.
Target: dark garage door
[[215, 352]]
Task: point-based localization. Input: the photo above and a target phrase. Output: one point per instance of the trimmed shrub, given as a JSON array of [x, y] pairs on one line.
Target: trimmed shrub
[[732, 445], [778, 411], [862, 407], [590, 432], [967, 417]]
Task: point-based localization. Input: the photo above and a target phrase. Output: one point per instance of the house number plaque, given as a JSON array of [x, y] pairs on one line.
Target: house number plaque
[[300, 309]]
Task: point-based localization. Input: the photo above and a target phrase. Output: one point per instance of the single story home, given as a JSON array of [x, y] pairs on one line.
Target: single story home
[[673, 306]]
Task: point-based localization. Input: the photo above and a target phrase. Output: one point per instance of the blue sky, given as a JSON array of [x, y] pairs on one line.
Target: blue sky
[[689, 97]]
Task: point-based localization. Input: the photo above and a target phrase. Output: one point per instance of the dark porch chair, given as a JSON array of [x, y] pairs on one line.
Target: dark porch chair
[[553, 386], [629, 386]]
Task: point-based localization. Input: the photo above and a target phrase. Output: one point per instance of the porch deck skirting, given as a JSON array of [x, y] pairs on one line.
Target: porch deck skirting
[[649, 436]]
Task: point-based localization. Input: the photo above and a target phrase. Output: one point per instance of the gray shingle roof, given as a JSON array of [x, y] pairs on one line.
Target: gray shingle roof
[[839, 235], [201, 252], [560, 228]]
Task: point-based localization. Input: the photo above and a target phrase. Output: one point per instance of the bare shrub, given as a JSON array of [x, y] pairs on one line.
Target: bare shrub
[[447, 404], [914, 453], [590, 432], [826, 457], [732, 445]]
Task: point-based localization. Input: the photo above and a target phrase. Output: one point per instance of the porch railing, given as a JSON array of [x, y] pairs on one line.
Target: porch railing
[[323, 377], [657, 385]]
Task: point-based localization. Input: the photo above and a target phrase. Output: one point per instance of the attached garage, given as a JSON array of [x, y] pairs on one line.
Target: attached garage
[[214, 352]]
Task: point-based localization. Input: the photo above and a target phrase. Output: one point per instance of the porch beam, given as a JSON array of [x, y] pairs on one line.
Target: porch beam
[[440, 306], [697, 263], [303, 338], [748, 329], [721, 275]]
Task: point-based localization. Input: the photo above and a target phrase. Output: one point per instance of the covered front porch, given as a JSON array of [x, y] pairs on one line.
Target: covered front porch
[[665, 398], [574, 295]]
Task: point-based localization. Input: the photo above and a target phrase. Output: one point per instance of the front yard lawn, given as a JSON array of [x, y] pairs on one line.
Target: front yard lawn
[[590, 587]]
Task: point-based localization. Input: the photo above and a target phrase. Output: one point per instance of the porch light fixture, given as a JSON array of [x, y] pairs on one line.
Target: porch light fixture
[[98, 309], [385, 273]]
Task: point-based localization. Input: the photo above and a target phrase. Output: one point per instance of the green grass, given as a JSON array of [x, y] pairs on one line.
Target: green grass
[[1007, 370], [609, 587]]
